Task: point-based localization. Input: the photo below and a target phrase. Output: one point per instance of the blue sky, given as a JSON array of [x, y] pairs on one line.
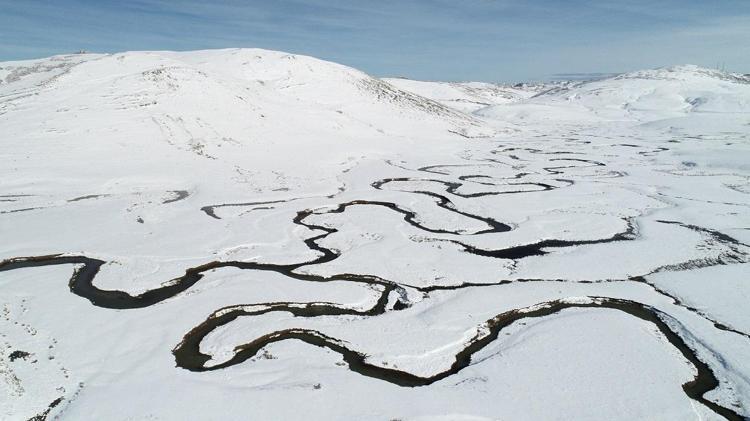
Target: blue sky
[[490, 40]]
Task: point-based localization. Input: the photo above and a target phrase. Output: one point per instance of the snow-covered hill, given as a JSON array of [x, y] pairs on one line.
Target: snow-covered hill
[[215, 103], [253, 234], [647, 95]]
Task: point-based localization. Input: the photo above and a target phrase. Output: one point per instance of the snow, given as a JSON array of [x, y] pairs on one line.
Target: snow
[[394, 223], [465, 96]]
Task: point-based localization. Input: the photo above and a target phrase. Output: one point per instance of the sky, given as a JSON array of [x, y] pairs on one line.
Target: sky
[[459, 40]]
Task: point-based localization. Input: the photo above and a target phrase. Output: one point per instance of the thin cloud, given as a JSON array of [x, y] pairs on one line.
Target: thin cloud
[[493, 40]]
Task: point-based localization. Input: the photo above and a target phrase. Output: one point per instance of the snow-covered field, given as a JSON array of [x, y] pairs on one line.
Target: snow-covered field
[[248, 234]]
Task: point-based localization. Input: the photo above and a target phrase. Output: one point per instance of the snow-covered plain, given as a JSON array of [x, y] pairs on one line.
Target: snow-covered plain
[[248, 234]]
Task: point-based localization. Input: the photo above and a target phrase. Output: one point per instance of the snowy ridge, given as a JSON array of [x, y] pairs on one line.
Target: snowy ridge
[[254, 76], [666, 92], [466, 96], [685, 72]]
